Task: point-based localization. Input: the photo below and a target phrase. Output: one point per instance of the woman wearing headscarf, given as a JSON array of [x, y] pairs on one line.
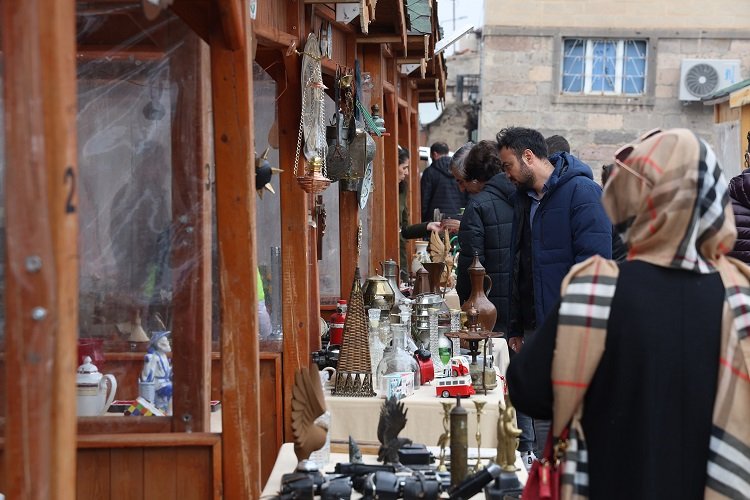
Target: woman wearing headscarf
[[646, 363]]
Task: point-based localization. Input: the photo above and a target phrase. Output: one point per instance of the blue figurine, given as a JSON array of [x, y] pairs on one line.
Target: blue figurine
[[157, 372]]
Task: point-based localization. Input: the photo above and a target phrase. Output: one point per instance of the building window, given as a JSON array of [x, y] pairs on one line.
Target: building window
[[467, 88], [604, 67]]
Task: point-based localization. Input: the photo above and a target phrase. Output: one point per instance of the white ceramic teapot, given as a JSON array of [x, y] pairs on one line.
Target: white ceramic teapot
[[91, 390]]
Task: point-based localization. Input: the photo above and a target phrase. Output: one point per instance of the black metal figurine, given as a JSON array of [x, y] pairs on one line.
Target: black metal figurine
[[392, 421]]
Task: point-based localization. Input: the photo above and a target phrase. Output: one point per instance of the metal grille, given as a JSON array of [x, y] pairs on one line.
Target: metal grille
[[467, 88]]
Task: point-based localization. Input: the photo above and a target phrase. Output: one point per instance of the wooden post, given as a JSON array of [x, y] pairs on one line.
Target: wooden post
[[404, 138], [232, 88], [295, 248], [390, 189], [373, 63], [41, 209], [415, 204], [191, 248]]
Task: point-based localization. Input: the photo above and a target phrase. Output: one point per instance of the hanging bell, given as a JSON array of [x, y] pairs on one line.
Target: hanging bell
[[314, 182]]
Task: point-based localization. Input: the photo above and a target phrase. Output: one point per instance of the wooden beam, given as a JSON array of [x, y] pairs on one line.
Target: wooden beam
[[191, 236], [739, 98], [232, 88], [404, 139], [389, 88], [415, 204], [390, 189], [232, 23], [295, 253], [41, 206], [402, 26], [197, 15], [373, 62]]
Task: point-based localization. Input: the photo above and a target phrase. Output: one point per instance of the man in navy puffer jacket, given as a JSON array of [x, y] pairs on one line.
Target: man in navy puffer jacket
[[739, 192]]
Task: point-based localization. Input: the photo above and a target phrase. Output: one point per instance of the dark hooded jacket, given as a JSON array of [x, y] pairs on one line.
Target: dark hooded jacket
[[487, 228], [739, 192], [569, 226], [438, 189]]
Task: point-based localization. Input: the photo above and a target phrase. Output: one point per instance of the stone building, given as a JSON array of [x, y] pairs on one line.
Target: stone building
[[602, 72]]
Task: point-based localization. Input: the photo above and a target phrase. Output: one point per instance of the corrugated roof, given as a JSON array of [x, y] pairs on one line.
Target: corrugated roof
[[726, 91], [418, 16]]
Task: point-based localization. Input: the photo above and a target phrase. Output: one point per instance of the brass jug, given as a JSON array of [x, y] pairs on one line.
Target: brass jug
[[377, 285]]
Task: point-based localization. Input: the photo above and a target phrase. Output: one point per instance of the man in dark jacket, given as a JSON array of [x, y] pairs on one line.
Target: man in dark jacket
[[560, 222], [739, 193], [438, 188]]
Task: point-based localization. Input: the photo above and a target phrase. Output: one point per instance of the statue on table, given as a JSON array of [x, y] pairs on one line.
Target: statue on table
[[507, 437], [392, 421], [155, 383]]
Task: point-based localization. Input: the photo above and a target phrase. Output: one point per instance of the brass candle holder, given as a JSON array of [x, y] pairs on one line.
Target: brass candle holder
[[479, 406], [444, 439]]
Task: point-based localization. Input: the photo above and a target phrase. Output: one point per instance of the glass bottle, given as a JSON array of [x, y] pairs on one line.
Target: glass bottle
[[435, 341], [377, 344], [396, 358]]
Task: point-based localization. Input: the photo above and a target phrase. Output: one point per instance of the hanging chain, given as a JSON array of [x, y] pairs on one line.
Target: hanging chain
[[322, 144], [359, 238], [301, 127]]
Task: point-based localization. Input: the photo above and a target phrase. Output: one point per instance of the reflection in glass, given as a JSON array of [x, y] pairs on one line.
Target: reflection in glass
[[268, 206]]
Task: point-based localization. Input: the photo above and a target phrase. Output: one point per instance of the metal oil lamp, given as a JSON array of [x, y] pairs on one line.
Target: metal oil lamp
[[314, 182], [483, 377]]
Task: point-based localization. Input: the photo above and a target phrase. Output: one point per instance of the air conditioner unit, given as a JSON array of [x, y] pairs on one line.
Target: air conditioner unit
[[702, 77]]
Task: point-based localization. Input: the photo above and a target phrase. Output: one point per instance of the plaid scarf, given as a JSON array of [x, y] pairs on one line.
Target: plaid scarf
[[668, 198]]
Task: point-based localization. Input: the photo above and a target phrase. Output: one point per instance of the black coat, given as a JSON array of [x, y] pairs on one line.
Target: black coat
[[439, 189], [648, 411], [739, 192], [487, 228]]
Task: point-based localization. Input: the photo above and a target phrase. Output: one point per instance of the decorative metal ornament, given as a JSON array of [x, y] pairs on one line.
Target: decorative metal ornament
[[479, 406], [263, 174], [311, 126], [314, 181], [392, 421]]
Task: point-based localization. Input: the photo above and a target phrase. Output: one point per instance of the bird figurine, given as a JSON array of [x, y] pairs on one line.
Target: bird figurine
[[392, 421], [263, 174], [308, 403]]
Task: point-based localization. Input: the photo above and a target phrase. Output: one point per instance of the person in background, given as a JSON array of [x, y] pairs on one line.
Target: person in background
[[619, 249], [487, 228], [739, 193], [557, 144], [560, 222], [437, 189], [662, 360], [408, 231]]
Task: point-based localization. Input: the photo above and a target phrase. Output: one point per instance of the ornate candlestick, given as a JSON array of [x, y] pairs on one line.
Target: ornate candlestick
[[479, 405], [445, 437], [482, 377]]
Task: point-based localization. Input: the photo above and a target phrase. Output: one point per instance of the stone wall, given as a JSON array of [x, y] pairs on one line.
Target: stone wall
[[451, 126], [695, 15], [519, 80]]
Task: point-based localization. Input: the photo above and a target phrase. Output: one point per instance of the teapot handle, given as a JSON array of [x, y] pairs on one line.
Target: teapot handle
[[111, 392], [487, 286]]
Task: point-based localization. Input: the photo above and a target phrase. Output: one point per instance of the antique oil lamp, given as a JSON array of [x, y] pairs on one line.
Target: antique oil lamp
[[314, 182], [483, 377]]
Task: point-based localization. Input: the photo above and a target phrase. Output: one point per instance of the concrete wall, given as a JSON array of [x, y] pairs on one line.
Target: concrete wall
[[695, 15], [520, 86]]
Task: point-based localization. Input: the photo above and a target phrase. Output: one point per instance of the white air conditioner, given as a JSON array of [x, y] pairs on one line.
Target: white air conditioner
[[702, 77]]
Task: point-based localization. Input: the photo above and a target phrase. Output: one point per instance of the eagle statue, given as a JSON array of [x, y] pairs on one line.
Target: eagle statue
[[392, 421], [308, 403]]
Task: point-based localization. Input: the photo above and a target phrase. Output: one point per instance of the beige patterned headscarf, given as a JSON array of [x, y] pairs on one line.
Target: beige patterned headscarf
[[668, 199]]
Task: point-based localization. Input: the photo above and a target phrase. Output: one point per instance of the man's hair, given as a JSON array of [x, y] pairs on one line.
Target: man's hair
[[403, 155], [439, 148], [458, 159], [482, 163], [518, 139], [556, 144], [606, 171]]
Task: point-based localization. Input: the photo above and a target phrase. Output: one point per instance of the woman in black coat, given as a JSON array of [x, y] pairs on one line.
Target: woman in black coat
[[486, 227], [646, 363]]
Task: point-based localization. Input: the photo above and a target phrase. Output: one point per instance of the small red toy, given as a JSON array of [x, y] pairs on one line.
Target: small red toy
[[426, 367]]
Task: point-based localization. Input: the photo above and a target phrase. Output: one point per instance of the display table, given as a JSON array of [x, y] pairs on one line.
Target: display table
[[287, 461], [358, 417]]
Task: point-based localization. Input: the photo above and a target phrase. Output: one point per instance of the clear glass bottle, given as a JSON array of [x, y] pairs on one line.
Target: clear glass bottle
[[376, 340], [396, 358]]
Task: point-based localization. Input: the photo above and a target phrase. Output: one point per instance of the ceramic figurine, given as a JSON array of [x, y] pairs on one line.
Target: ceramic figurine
[[155, 383]]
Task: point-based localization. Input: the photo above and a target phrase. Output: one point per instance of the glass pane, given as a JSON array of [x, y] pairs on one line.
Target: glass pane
[[142, 158], [573, 66], [604, 60], [268, 208], [329, 270], [634, 67]]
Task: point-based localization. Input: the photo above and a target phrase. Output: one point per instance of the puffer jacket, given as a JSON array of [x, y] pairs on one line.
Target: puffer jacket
[[569, 226], [487, 228], [438, 189], [739, 192]]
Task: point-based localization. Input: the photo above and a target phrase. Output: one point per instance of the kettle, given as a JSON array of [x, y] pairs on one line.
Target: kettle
[[92, 397], [377, 285]]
